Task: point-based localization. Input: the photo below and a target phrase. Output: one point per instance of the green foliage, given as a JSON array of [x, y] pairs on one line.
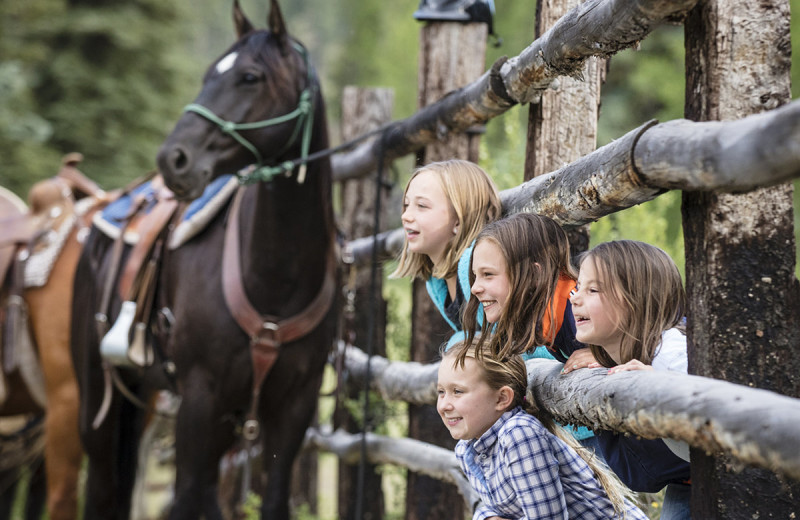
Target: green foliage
[[251, 507], [502, 152], [100, 79], [643, 84], [656, 222]]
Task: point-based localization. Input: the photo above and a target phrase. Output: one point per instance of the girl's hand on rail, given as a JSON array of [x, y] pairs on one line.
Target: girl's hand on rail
[[633, 364], [582, 358]]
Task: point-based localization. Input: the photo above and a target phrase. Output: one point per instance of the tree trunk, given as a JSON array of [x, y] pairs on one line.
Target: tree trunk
[[740, 249], [562, 126], [451, 55], [363, 109]]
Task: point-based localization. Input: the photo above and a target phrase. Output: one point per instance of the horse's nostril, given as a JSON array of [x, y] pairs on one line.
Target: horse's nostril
[[174, 159], [178, 159]]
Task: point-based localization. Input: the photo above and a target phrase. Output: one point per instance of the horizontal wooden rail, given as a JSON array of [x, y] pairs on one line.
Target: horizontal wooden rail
[[419, 457], [594, 28], [729, 156], [755, 426]]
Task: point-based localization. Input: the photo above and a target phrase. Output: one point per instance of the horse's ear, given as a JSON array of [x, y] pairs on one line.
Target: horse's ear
[[275, 22], [243, 25]]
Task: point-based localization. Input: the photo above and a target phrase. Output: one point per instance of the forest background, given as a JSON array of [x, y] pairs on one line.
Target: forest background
[[108, 79]]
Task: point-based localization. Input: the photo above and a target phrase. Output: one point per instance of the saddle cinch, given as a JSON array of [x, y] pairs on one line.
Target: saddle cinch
[[31, 239], [141, 219]]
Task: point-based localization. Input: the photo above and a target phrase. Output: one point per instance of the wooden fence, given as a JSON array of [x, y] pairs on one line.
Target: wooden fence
[[754, 427]]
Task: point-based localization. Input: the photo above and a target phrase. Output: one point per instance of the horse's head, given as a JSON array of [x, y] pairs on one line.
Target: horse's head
[[253, 109]]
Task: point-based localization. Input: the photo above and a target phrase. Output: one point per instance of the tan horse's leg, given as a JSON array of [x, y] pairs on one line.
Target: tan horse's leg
[[49, 309]]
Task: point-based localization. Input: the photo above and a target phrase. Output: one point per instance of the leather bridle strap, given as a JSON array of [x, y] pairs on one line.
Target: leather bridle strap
[[267, 333]]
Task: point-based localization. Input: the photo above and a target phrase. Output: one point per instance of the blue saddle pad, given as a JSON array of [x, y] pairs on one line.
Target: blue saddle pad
[[193, 219]]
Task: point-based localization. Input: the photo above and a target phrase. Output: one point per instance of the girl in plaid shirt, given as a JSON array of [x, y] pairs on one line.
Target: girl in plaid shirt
[[518, 461]]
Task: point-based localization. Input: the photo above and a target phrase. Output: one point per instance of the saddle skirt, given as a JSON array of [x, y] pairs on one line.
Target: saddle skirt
[[194, 219]]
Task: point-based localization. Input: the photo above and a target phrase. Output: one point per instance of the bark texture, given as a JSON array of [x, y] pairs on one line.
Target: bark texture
[[363, 109], [562, 125], [740, 249]]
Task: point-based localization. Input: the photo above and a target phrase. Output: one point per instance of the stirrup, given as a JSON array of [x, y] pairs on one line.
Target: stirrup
[[114, 346]]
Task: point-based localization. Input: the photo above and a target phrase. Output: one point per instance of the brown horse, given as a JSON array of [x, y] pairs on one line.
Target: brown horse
[[245, 312], [59, 209]]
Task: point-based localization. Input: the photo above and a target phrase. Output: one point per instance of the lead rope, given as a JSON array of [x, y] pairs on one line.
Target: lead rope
[[373, 283]]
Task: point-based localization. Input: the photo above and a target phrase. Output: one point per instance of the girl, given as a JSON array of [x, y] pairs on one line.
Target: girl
[[445, 205], [522, 278], [629, 307], [518, 462]]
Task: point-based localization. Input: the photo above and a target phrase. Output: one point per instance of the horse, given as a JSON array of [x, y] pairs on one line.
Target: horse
[[49, 229], [245, 310]]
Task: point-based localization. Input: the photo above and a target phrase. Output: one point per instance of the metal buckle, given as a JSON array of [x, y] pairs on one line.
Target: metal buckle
[[272, 338]]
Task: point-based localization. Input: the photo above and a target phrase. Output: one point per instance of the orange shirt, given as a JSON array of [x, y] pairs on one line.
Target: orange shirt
[[564, 287]]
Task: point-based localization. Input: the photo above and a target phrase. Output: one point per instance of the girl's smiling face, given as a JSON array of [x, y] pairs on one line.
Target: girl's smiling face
[[428, 216], [466, 403], [596, 318], [491, 285]]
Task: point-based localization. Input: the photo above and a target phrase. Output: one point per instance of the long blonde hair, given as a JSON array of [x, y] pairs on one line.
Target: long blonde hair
[[536, 252], [644, 283], [511, 371], [475, 201]]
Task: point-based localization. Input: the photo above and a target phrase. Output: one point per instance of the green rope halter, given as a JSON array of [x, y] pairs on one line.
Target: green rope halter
[[304, 116]]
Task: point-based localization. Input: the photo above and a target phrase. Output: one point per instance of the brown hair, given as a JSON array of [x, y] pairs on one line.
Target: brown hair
[[536, 252], [511, 371], [644, 283], [475, 201]]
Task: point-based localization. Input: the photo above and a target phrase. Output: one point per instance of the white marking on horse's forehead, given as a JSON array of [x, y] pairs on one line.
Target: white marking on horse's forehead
[[226, 63]]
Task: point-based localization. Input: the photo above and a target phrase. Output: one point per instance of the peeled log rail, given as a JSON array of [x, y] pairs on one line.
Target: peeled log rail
[[594, 28], [406, 381], [755, 426], [731, 156], [417, 456]]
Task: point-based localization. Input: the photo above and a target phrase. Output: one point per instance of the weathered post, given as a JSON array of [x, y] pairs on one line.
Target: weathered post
[[363, 110], [562, 126], [740, 249], [452, 55]]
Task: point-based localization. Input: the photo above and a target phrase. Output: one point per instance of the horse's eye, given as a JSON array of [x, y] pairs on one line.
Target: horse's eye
[[249, 77]]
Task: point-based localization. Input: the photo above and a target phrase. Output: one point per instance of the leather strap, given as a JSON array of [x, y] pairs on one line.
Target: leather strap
[[150, 228], [268, 333]]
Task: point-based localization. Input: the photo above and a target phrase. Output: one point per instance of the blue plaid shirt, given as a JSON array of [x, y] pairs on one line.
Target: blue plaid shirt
[[522, 471]]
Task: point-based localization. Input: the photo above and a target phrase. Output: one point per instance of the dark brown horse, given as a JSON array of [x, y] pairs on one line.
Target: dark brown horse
[[245, 307]]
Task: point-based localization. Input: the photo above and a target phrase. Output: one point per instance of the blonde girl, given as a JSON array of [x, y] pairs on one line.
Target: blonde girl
[[516, 459], [629, 308], [445, 205]]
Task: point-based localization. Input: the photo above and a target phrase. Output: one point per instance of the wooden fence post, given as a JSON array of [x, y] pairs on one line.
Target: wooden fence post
[[562, 126], [363, 110], [451, 55], [740, 249]]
